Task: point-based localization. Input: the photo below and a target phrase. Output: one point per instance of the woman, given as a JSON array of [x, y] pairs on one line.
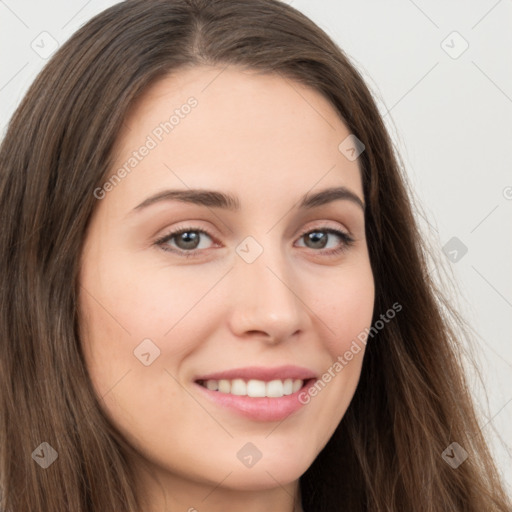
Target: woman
[[214, 292]]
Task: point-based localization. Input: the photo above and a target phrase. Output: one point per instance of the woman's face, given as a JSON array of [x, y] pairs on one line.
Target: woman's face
[[259, 288]]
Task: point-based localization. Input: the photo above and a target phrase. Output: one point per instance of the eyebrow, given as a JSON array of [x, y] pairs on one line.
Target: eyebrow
[[216, 199]]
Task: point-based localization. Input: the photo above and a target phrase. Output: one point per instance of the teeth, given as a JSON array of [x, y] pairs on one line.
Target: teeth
[[224, 386], [297, 384], [255, 388], [212, 384], [238, 387]]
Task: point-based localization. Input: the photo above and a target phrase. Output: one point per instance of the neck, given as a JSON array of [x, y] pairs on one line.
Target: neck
[[171, 492]]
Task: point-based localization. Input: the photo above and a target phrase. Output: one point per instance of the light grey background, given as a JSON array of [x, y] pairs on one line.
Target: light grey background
[[449, 110]]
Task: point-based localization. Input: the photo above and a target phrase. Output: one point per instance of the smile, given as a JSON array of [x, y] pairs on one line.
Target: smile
[[254, 388], [257, 393]]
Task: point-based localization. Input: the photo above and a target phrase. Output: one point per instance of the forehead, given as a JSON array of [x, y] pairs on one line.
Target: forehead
[[215, 127]]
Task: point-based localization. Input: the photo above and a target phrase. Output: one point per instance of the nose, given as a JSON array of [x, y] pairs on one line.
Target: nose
[[266, 299]]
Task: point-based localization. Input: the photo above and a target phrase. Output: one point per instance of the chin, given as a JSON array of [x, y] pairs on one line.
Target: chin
[[276, 468]]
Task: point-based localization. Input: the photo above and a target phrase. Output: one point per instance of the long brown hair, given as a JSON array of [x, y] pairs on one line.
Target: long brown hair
[[412, 400]]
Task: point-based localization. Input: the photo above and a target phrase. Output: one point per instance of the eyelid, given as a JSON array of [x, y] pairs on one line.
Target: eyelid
[[325, 225]]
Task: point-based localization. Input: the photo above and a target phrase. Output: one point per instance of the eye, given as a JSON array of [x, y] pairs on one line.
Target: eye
[[319, 239], [186, 241]]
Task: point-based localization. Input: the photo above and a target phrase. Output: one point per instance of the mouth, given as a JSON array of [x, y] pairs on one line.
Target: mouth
[[254, 388], [257, 393]]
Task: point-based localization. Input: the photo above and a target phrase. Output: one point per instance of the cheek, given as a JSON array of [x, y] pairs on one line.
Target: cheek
[[346, 307], [128, 312], [127, 300], [124, 304]]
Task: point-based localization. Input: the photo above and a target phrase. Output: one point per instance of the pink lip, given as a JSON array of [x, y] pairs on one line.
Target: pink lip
[[261, 373], [263, 408]]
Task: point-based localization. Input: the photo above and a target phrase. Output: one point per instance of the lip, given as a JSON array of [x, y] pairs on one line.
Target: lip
[[262, 409]]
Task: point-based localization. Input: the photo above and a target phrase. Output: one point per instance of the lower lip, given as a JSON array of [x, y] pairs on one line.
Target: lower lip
[[262, 408]]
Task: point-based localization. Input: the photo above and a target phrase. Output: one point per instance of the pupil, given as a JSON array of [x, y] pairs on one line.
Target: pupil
[[318, 236], [190, 239]]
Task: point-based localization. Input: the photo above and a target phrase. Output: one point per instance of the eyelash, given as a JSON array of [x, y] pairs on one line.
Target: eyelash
[[347, 241]]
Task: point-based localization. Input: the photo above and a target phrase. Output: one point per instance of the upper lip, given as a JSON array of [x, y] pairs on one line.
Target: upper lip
[[261, 373]]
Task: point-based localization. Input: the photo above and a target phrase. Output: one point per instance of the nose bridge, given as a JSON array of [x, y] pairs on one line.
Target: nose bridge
[[266, 299]]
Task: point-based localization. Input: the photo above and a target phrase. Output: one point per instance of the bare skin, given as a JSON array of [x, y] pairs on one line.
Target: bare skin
[[268, 141]]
